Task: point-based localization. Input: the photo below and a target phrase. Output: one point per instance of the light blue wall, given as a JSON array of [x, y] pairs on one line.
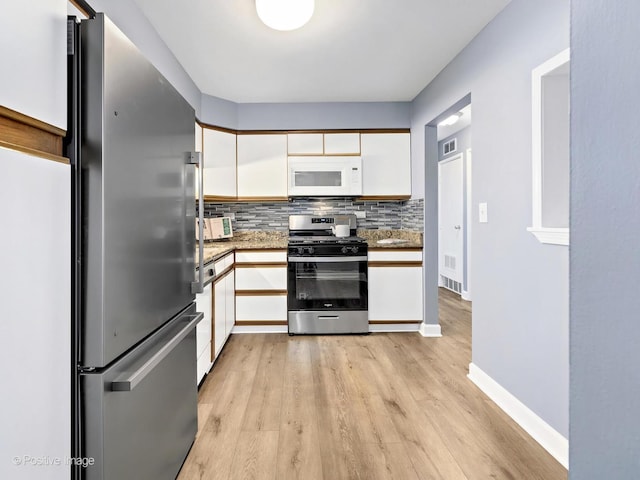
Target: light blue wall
[[303, 116], [605, 233], [219, 112], [520, 287]]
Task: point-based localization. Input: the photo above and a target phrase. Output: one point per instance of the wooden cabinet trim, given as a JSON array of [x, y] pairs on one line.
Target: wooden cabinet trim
[[381, 322], [398, 249], [261, 199], [261, 293], [224, 274], [29, 135], [394, 264], [373, 198], [266, 249], [262, 265], [220, 198], [213, 326], [260, 322], [330, 130]]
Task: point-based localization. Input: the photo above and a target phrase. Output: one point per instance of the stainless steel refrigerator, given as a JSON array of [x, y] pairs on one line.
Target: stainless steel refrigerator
[[131, 143]]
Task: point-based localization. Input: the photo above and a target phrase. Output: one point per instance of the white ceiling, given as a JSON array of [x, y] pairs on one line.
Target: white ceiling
[[350, 51]]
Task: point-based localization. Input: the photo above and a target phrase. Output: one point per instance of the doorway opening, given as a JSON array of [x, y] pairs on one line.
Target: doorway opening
[[448, 206]]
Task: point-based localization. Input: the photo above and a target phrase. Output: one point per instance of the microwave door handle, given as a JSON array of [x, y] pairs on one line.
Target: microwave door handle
[[195, 158]]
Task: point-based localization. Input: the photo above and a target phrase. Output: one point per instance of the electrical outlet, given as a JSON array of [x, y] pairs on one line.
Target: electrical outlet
[[231, 215], [360, 214]]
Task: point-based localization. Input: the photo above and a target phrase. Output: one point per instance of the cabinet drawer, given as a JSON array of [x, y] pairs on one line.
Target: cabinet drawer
[[224, 263], [269, 256], [261, 278], [395, 256], [261, 308]]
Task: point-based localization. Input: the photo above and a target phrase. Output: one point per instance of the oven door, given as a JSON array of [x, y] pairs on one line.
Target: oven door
[[327, 283]]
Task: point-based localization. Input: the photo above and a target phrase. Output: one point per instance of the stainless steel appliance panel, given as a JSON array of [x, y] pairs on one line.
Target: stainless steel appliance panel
[[139, 209], [140, 414], [328, 322]]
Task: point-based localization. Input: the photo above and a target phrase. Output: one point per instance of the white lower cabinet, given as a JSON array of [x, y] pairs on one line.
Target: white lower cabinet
[[203, 332], [217, 302], [261, 288], [223, 304], [395, 287], [220, 316]]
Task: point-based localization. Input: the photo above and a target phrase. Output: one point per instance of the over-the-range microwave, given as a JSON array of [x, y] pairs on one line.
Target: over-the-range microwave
[[327, 176]]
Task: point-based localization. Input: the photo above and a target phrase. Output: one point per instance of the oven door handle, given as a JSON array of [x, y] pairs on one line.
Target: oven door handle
[[326, 259]]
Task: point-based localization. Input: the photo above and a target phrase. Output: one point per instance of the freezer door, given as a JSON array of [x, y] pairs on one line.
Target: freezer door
[[139, 416], [138, 195]]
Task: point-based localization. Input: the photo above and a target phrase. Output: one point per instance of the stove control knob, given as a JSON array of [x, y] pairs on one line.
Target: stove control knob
[[310, 250], [300, 250], [345, 249], [354, 249]]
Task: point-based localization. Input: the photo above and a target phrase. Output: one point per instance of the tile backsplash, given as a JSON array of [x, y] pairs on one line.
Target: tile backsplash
[[398, 215]]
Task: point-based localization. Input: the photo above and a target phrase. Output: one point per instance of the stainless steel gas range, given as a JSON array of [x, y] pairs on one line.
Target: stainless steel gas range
[[326, 276]]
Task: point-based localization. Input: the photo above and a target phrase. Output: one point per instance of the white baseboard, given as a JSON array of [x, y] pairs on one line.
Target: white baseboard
[[394, 327], [259, 329], [550, 439], [430, 330]]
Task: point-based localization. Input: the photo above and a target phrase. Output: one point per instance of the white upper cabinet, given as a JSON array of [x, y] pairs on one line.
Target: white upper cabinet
[[198, 144], [342, 143], [262, 166], [386, 164], [33, 36], [305, 144], [219, 150]]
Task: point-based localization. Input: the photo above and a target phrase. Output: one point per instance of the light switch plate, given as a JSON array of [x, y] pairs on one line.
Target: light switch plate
[[483, 216]]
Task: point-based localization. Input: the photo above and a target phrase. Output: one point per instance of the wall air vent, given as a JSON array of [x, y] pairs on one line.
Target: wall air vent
[[450, 146], [450, 261], [450, 284]]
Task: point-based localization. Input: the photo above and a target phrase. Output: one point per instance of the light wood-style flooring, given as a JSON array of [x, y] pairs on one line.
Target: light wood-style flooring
[[382, 406]]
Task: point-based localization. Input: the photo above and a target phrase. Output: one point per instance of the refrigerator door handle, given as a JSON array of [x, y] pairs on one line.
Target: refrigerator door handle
[[195, 158], [128, 383]]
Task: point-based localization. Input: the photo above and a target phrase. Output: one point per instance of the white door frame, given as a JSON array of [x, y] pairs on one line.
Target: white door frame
[[466, 294]]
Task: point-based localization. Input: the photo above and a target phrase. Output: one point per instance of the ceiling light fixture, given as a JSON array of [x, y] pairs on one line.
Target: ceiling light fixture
[[450, 120], [285, 15]]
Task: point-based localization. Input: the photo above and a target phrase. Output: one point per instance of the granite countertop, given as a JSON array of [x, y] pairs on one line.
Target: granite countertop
[[271, 239], [391, 238], [266, 239]]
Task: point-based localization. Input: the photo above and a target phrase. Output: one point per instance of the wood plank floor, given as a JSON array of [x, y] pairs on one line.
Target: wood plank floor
[[382, 406]]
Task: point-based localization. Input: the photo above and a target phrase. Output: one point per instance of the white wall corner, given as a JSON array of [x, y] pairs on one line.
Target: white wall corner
[[430, 330], [550, 439]]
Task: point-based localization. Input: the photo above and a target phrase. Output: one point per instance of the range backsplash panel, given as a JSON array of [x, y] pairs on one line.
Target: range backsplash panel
[[399, 215]]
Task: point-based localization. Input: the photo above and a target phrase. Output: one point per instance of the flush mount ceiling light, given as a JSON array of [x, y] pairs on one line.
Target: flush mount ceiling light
[[285, 15], [450, 120]]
